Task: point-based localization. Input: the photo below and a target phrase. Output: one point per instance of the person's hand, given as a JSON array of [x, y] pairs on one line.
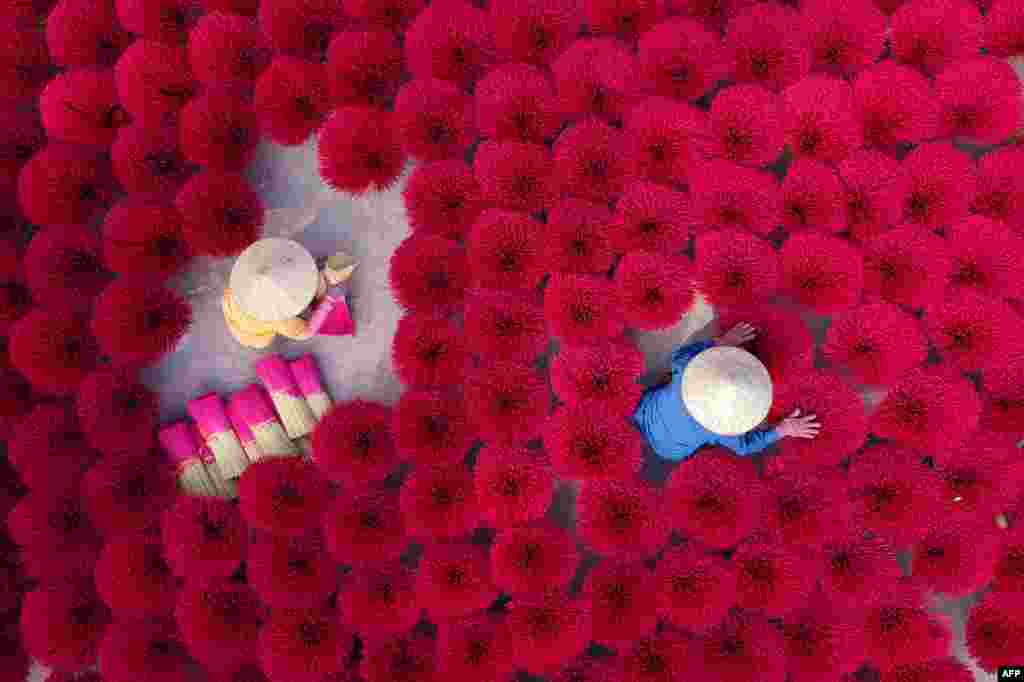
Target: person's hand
[[795, 426], [737, 336]]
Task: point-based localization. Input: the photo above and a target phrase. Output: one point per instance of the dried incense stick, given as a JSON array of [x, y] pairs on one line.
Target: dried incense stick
[[245, 435], [307, 376], [255, 408], [220, 484], [184, 451], [210, 416], [277, 378]]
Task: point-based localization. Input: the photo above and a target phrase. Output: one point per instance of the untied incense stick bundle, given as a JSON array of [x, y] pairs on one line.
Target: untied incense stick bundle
[[212, 419], [225, 487], [245, 435], [255, 409], [307, 376], [295, 413], [183, 449]]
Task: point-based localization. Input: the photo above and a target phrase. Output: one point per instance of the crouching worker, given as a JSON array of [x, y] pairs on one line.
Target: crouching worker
[[717, 394]]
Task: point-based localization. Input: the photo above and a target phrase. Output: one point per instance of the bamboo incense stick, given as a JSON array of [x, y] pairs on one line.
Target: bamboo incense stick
[[212, 419], [220, 484], [307, 376], [295, 413], [245, 435], [183, 449], [254, 407]]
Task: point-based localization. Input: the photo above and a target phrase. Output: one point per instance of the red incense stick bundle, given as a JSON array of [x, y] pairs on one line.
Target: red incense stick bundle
[[256, 410], [245, 435], [184, 451], [277, 377], [224, 487], [307, 376], [212, 419]]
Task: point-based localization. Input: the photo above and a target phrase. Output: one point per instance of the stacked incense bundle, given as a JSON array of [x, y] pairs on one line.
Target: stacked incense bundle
[[184, 450], [245, 435], [212, 419], [254, 408], [307, 376], [224, 487], [295, 413]]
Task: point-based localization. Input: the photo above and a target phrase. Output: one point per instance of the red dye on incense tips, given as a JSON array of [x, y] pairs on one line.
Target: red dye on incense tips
[[183, 449], [253, 406], [297, 418], [210, 415], [310, 382]]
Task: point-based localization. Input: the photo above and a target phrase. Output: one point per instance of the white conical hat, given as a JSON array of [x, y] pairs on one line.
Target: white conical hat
[[274, 279], [727, 390]]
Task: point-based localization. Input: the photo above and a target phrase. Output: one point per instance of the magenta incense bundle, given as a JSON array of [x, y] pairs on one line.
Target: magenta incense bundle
[[245, 435], [277, 377], [221, 486], [212, 419], [307, 376], [185, 452], [256, 410]]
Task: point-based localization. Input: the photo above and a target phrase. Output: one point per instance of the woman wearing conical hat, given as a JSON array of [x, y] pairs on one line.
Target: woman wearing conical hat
[[274, 282], [717, 394]]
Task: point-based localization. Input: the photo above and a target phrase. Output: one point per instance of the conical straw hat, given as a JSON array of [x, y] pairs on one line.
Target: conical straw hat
[[727, 390], [274, 279]]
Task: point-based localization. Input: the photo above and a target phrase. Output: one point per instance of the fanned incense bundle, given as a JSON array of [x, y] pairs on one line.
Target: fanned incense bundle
[[255, 409], [185, 452], [245, 435], [212, 419], [295, 414], [224, 487], [307, 376]]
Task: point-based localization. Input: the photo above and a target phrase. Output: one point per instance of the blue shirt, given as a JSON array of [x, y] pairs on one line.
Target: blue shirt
[[672, 432]]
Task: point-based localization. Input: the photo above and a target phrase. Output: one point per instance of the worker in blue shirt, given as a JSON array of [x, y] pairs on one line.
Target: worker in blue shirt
[[743, 395]]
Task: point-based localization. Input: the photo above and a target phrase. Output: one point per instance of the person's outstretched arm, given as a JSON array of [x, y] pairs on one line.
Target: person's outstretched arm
[[750, 443], [753, 442]]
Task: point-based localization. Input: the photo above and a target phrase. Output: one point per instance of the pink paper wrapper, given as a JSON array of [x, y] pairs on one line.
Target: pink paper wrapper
[[275, 374], [332, 318], [238, 423], [209, 413], [254, 406], [180, 443], [307, 375]]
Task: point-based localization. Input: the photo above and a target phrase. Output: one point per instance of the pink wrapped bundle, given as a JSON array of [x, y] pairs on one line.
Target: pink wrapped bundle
[[331, 317], [224, 487], [307, 376], [184, 451], [277, 378], [254, 408], [245, 435], [212, 419]]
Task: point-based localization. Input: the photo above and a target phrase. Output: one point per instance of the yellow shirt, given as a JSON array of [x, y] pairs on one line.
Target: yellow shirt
[[254, 333]]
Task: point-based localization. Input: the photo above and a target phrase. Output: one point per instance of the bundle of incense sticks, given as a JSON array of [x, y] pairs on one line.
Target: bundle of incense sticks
[[185, 452], [295, 414], [212, 419], [222, 486], [245, 435], [307, 376], [255, 409]]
